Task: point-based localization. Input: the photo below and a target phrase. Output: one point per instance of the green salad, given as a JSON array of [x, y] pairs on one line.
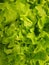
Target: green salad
[[24, 32]]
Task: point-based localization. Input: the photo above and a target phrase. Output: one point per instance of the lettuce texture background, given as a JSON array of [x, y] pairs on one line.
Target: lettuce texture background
[[24, 32]]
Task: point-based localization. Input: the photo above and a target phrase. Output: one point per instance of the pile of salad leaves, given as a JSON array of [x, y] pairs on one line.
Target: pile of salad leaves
[[24, 32]]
